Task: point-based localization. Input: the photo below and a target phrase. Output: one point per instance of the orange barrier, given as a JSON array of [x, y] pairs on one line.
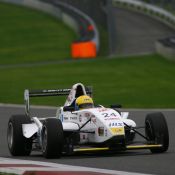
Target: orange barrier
[[83, 50]]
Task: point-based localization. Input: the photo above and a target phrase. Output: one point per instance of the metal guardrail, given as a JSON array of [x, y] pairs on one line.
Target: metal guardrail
[[152, 10], [165, 46], [168, 5], [101, 12], [96, 9], [82, 19]]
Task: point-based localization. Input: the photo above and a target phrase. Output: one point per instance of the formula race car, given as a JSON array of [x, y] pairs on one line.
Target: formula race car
[[81, 126]]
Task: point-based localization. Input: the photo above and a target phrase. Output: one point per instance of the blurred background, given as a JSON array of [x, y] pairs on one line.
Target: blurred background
[[123, 48]]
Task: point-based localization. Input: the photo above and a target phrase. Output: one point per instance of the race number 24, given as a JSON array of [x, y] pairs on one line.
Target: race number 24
[[109, 115]]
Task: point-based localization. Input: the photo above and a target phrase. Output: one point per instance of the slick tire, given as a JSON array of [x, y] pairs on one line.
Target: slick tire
[[52, 138], [156, 130], [18, 145]]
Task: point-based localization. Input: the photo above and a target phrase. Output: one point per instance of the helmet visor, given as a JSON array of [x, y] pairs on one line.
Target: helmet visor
[[86, 105]]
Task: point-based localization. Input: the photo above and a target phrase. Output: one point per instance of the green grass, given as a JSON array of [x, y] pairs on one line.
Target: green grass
[[31, 36], [3, 173], [143, 82], [28, 36]]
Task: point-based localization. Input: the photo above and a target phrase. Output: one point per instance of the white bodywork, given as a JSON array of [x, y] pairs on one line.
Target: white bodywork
[[29, 129], [104, 123]]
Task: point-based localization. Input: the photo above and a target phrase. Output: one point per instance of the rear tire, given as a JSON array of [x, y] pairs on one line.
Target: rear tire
[[156, 130], [52, 138], [18, 145]]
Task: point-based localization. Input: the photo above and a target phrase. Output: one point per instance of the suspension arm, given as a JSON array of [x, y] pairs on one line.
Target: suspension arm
[[131, 128]]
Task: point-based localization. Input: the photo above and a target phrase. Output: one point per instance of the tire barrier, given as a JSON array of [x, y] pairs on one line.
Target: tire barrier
[[88, 43]]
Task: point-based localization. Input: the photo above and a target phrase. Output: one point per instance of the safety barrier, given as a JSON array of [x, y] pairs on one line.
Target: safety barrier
[[77, 20], [151, 10], [168, 5], [88, 42], [165, 46], [101, 11], [86, 49]]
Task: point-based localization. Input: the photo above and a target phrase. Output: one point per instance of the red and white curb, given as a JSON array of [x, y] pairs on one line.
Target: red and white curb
[[25, 167]]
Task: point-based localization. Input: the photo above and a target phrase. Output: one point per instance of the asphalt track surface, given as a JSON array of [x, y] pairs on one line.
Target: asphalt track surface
[[141, 161], [136, 33]]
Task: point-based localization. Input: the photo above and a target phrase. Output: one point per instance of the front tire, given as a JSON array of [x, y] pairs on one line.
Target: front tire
[[18, 145], [52, 138], [156, 130]]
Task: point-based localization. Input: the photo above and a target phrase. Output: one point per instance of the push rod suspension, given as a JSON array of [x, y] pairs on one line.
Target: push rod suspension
[[136, 131]]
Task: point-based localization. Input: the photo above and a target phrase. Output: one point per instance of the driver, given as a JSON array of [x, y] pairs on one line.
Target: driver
[[84, 102]]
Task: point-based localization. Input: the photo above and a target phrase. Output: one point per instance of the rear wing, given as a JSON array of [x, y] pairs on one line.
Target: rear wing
[[48, 93]]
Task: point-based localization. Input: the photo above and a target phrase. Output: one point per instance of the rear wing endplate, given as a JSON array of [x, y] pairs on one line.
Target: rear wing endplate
[[47, 93]]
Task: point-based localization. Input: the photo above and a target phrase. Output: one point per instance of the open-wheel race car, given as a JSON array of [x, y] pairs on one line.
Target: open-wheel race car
[[80, 126]]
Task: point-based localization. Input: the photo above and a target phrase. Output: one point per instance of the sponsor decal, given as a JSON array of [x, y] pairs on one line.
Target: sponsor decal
[[117, 131], [101, 131], [62, 117], [66, 118], [114, 124], [80, 118], [112, 119], [106, 133], [73, 118], [103, 109]]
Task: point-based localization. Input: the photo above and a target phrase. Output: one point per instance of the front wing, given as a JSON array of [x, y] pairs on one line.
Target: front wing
[[129, 147]]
